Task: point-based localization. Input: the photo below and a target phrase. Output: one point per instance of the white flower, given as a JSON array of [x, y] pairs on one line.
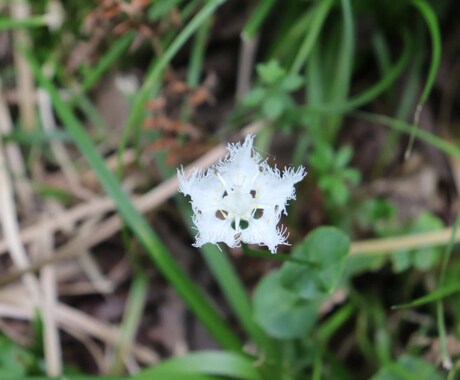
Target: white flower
[[240, 199]]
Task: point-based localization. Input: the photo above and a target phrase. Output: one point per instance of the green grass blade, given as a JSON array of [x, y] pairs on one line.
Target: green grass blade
[[339, 68], [228, 364], [447, 361], [257, 18], [336, 321], [116, 50], [432, 23], [320, 15], [136, 222], [371, 93], [342, 79], [197, 55], [404, 127], [437, 295]]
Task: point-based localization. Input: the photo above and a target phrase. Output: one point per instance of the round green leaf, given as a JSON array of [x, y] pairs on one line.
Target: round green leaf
[[254, 97], [273, 106], [324, 251], [280, 312]]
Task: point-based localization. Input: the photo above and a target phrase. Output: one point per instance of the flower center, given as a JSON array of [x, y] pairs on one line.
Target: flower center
[[238, 204]]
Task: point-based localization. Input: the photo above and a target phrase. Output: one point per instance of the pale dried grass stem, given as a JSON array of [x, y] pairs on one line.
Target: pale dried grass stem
[[14, 156], [26, 91], [10, 226], [63, 159], [386, 245]]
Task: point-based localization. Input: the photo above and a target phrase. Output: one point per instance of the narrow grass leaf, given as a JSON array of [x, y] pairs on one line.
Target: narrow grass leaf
[[257, 18], [136, 222], [437, 295], [320, 15], [116, 50], [404, 127]]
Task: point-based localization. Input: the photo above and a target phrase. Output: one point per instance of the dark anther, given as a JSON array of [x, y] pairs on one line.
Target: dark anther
[[257, 213], [221, 214], [253, 193]]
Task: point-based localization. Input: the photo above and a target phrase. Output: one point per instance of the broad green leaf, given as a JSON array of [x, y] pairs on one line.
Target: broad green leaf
[[325, 250], [280, 312]]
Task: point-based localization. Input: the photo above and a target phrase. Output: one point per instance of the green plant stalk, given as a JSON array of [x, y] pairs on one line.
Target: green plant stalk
[[446, 360], [152, 81], [329, 327], [383, 58], [317, 365], [136, 222], [315, 94], [219, 264], [236, 295], [321, 12], [430, 18], [224, 274], [270, 256]]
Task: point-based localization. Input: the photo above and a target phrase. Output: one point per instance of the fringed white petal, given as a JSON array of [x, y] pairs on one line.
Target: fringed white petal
[[226, 198]]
